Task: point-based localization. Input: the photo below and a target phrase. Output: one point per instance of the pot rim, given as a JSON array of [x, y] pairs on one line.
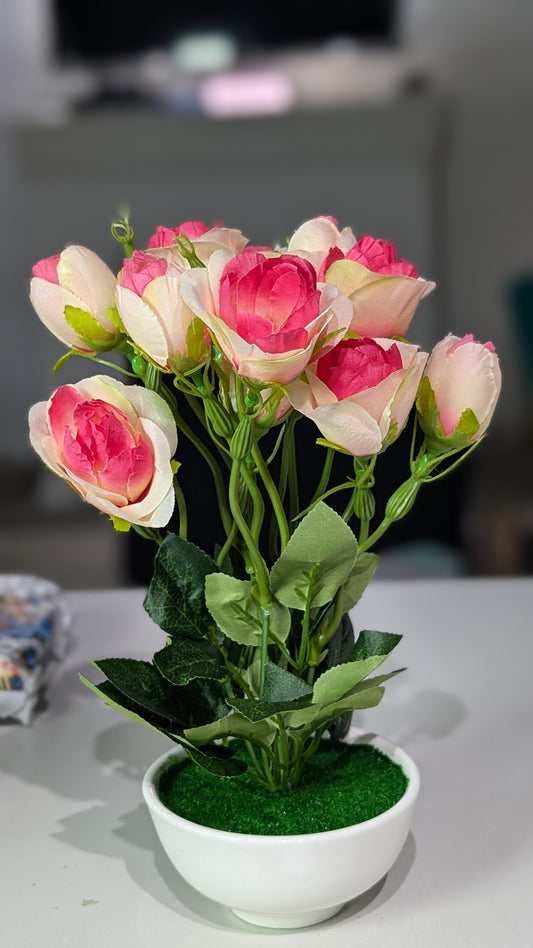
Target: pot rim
[[355, 736]]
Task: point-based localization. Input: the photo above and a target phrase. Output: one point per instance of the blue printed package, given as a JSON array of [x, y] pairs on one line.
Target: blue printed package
[[34, 627]]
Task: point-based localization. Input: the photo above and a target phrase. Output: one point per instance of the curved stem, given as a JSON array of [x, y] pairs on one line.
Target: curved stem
[[326, 473], [272, 492], [257, 502], [256, 560], [220, 486], [333, 490]]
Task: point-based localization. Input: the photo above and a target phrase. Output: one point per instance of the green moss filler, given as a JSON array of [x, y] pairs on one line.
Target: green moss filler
[[342, 784]]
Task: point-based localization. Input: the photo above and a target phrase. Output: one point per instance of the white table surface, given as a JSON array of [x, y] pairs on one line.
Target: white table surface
[[81, 866]]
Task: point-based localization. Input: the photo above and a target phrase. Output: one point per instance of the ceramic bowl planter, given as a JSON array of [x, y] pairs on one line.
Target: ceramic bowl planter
[[285, 881]]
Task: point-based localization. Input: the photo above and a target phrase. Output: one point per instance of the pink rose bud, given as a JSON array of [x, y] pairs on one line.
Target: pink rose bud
[[360, 393], [154, 314], [205, 240], [317, 237], [113, 444], [383, 290], [71, 293], [458, 393], [265, 311]]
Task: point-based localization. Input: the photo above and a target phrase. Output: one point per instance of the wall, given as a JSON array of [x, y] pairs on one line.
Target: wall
[[480, 51]]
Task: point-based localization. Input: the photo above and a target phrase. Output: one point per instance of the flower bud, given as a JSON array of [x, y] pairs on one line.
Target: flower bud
[[458, 393], [243, 439], [218, 418], [400, 503], [364, 504]]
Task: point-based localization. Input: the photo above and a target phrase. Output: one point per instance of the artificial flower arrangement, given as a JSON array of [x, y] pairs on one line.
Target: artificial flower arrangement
[[259, 645]]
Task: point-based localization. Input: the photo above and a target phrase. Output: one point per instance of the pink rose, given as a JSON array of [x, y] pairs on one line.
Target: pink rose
[[70, 293], [266, 311], [113, 443], [383, 290], [204, 239], [154, 315], [317, 237], [459, 392], [360, 393]]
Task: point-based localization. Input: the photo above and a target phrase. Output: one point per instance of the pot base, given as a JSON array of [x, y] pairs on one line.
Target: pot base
[[290, 920]]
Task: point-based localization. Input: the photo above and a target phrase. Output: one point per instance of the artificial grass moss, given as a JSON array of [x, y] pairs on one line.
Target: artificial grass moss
[[342, 784]]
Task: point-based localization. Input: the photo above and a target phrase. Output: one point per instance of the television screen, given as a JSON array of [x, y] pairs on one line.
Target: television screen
[[100, 30]]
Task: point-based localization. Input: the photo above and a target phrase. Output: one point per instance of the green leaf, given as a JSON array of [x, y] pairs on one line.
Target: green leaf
[[354, 587], [176, 599], [281, 685], [233, 608], [219, 761], [196, 347], [369, 651], [322, 552], [185, 659], [120, 525], [115, 699], [338, 681], [141, 683], [370, 642], [317, 715], [259, 710], [238, 614], [233, 725], [172, 707], [87, 326], [113, 316]]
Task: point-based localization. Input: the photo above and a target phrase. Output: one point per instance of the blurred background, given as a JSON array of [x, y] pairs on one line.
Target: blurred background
[[408, 119]]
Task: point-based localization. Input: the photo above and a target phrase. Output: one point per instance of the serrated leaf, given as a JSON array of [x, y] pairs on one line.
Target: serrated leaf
[[316, 716], [354, 587], [140, 682], [238, 614], [174, 707], [233, 608], [185, 659], [281, 685], [338, 681], [321, 551], [176, 595], [258, 710], [115, 699], [371, 642]]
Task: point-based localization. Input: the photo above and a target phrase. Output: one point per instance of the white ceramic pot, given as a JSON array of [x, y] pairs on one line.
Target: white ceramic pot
[[285, 881]]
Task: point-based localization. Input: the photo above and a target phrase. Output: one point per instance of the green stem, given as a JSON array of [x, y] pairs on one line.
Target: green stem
[[256, 560], [302, 653], [376, 535], [257, 501], [326, 473], [227, 545], [182, 509], [272, 492], [220, 486], [333, 490]]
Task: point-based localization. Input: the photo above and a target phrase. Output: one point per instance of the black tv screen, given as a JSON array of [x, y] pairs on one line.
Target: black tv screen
[[100, 30]]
